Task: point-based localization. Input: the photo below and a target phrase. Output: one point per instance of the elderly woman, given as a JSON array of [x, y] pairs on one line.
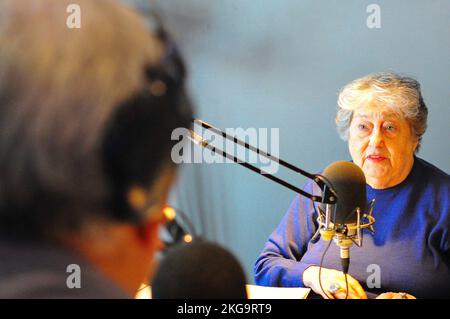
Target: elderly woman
[[383, 117]]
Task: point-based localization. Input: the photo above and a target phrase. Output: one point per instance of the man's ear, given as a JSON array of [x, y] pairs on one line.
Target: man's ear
[[148, 234]]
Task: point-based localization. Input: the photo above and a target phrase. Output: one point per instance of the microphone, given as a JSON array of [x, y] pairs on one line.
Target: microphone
[[344, 220], [199, 270]]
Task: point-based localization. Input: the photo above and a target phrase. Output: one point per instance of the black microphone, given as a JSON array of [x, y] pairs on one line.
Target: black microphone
[[349, 182], [199, 270], [344, 220]]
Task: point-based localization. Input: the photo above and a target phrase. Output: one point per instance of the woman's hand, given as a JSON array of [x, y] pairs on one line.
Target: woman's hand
[[333, 283], [395, 295]]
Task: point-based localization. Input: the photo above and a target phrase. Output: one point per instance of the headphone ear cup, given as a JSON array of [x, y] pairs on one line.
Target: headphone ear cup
[[137, 142], [185, 110]]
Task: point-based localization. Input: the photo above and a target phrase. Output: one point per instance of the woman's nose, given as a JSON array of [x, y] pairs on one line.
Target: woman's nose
[[376, 138]]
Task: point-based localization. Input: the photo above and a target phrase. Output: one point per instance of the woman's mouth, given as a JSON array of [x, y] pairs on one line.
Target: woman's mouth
[[375, 158]]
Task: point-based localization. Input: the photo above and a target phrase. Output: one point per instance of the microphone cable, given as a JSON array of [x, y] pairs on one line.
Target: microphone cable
[[320, 273], [320, 267], [323, 257]]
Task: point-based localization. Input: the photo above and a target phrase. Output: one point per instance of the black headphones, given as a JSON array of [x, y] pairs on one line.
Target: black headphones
[[138, 141]]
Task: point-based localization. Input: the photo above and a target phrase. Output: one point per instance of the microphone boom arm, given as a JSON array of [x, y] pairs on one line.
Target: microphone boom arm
[[329, 194]]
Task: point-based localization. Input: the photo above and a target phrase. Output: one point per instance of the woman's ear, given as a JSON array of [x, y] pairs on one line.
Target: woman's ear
[[416, 144]]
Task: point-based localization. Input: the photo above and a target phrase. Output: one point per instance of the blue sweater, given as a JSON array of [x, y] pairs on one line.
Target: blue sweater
[[411, 245]]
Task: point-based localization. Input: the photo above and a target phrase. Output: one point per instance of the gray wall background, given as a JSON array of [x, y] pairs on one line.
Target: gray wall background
[[280, 64]]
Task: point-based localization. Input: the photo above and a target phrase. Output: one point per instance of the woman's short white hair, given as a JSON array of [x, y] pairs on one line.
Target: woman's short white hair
[[400, 93]]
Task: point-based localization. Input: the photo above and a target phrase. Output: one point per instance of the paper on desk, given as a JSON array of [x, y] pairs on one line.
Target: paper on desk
[[261, 292], [253, 292]]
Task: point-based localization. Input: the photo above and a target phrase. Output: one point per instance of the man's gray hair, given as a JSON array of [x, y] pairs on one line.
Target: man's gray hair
[[59, 88], [402, 94]]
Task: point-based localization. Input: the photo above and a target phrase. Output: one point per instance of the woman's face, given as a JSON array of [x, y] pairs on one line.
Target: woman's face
[[382, 144]]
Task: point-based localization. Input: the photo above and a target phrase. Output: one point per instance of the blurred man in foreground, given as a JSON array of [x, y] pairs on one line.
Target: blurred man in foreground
[[86, 117]]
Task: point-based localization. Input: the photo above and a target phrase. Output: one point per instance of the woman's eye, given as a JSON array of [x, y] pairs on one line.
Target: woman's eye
[[390, 128], [362, 127]]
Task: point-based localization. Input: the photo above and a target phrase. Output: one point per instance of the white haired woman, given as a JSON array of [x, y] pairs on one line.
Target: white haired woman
[[383, 117]]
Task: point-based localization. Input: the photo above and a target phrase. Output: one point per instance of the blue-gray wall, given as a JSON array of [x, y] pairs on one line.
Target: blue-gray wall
[[280, 64]]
